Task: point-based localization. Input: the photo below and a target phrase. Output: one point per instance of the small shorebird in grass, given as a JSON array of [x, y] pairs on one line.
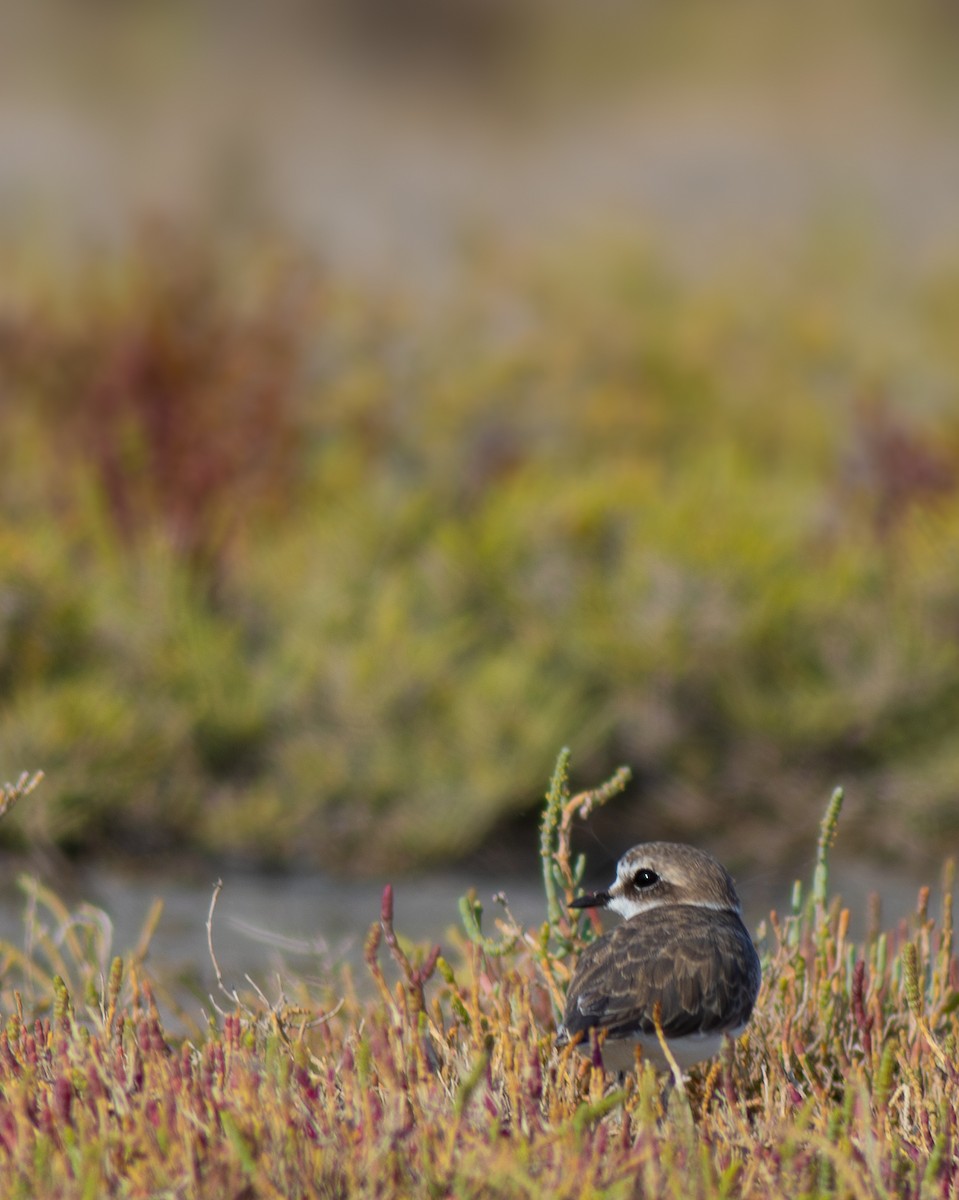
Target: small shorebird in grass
[[682, 958]]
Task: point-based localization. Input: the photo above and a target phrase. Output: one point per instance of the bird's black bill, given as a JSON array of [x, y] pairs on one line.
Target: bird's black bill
[[591, 900]]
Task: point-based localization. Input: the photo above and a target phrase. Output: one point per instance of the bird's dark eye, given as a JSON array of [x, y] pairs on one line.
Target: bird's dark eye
[[645, 878]]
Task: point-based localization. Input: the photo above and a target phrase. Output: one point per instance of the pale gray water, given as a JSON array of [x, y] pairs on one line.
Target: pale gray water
[[303, 923]]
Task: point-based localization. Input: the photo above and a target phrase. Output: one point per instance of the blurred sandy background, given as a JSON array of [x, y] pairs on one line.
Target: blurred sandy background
[[463, 542], [395, 136]]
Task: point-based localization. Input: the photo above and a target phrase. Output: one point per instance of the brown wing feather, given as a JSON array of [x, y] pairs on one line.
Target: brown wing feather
[[699, 964]]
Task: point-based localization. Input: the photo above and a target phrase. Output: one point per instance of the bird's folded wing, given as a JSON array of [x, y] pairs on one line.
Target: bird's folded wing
[[690, 970]]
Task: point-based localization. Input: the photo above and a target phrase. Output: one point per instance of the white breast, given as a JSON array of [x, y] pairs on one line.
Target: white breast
[[619, 1054]]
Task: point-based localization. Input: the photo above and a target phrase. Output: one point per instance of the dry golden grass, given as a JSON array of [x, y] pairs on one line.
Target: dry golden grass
[[446, 1082]]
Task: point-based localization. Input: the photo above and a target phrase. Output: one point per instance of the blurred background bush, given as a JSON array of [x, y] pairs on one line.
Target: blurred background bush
[[393, 392]]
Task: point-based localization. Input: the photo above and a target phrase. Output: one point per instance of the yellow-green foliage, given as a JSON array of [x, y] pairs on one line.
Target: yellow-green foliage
[[289, 571], [446, 1082]]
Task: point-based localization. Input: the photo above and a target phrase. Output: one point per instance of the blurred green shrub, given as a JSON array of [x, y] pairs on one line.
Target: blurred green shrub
[[293, 573]]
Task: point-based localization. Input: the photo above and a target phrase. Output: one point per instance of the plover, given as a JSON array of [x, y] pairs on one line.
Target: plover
[[682, 945]]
